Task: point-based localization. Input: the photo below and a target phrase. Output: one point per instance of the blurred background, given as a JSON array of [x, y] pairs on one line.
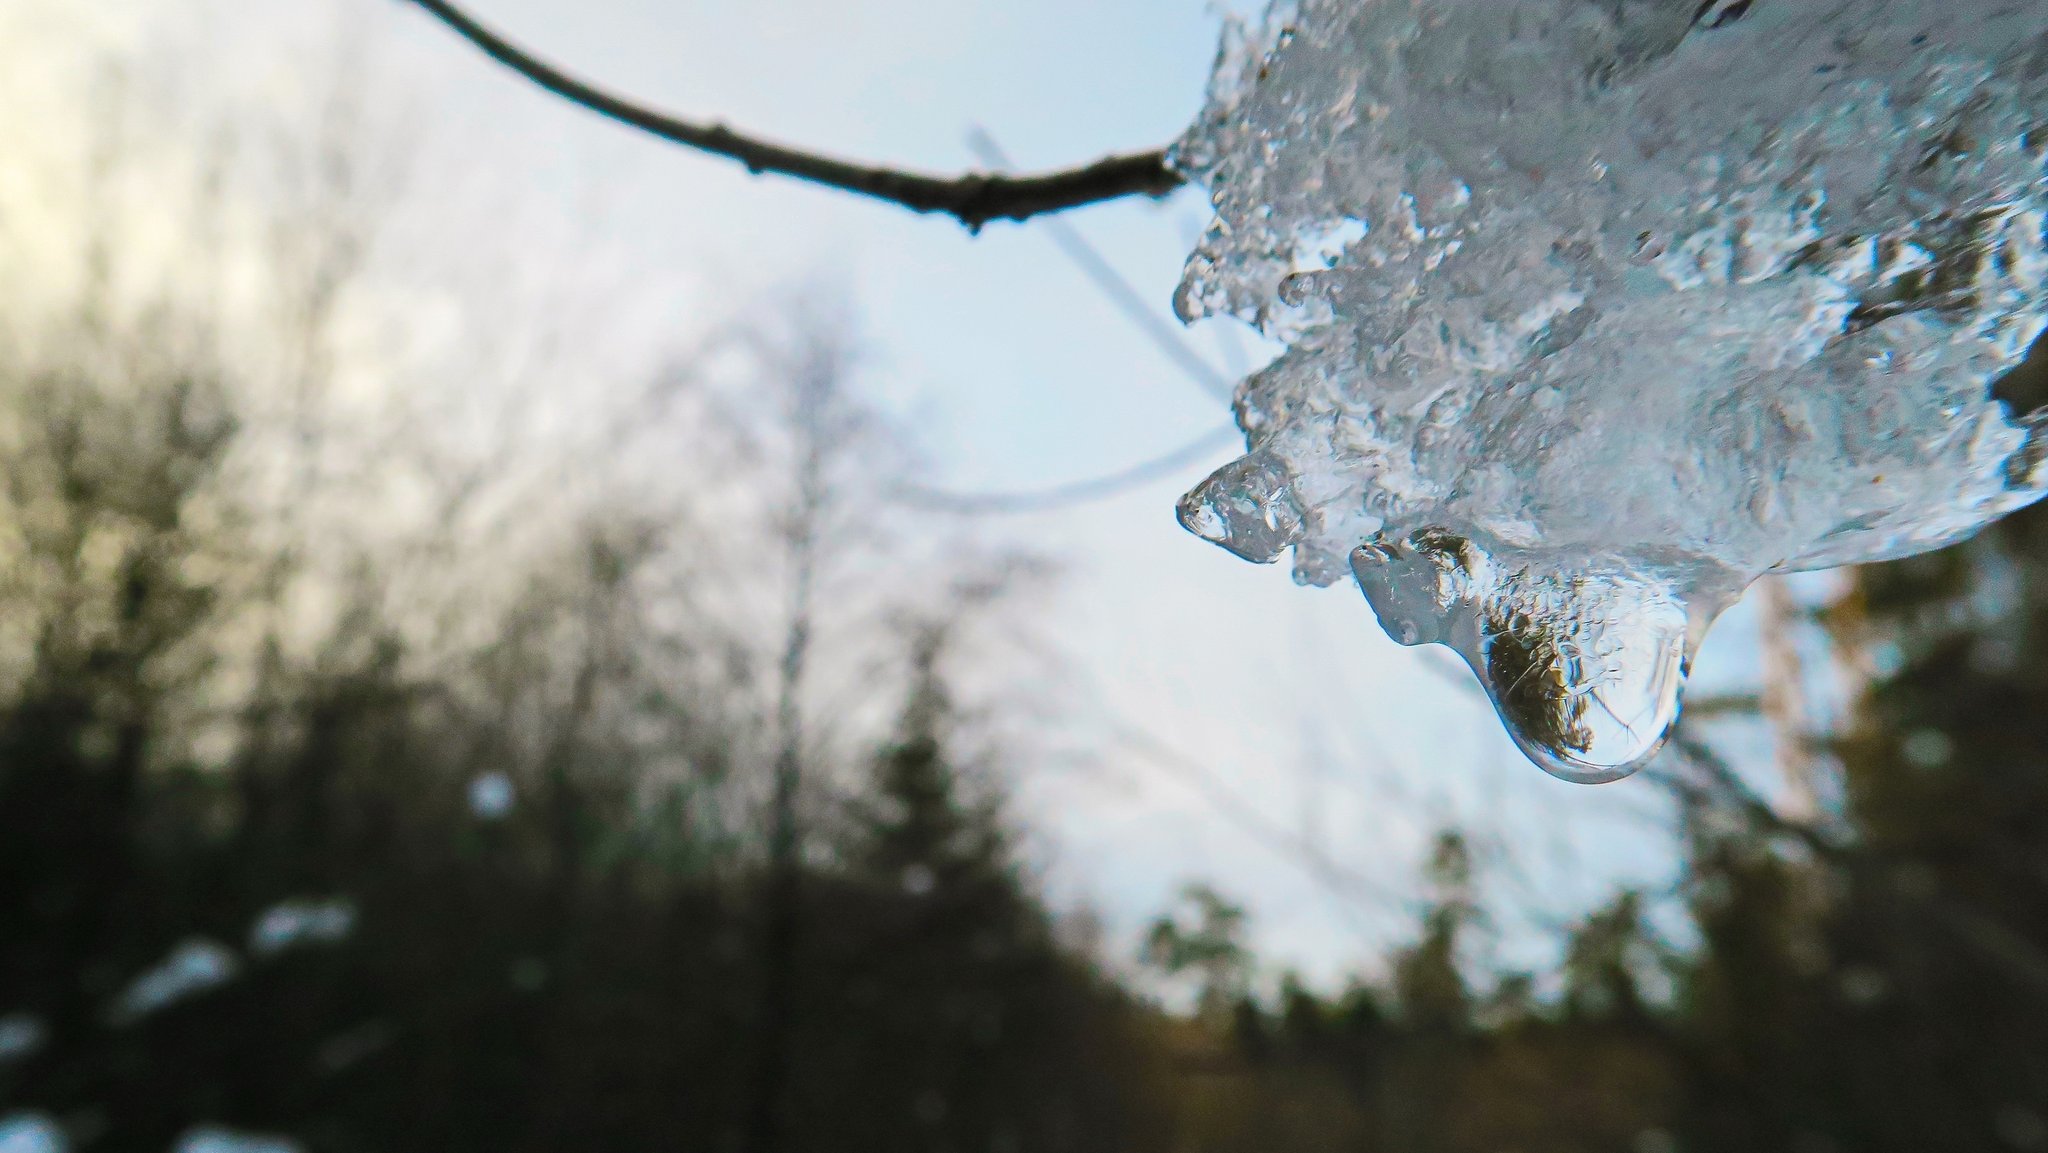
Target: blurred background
[[516, 636]]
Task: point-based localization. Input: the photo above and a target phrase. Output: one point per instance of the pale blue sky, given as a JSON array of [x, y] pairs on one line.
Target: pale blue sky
[[1020, 376], [1304, 722]]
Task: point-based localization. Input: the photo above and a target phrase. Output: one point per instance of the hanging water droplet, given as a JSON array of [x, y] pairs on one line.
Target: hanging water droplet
[[1589, 685], [1585, 669]]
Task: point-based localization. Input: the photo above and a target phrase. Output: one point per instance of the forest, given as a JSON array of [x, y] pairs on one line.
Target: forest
[[370, 784]]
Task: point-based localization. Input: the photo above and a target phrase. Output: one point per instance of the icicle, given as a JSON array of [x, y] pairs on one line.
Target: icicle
[[1597, 311]]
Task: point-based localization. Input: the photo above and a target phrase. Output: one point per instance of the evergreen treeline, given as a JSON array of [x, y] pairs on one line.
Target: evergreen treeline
[[513, 898], [495, 911], [502, 905], [287, 851], [1871, 979]]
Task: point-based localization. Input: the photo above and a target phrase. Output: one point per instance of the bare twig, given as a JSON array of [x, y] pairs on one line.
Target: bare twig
[[973, 199]]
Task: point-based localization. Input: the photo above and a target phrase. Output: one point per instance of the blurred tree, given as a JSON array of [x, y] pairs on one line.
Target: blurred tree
[[1879, 980], [493, 900], [1204, 939], [289, 843], [941, 1013]]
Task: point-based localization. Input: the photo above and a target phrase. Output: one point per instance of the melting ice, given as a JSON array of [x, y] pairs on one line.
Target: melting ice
[[1596, 310]]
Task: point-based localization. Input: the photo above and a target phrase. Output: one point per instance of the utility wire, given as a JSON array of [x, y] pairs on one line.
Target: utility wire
[[1070, 494], [1164, 336]]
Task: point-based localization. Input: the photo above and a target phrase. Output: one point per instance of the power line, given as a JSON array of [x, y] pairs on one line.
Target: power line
[[1065, 495], [1164, 336], [1126, 299]]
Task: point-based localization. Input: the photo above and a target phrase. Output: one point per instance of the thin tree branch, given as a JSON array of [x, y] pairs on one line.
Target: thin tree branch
[[1168, 338], [973, 199]]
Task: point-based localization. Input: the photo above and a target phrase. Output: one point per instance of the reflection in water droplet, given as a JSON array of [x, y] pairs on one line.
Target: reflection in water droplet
[[1587, 700], [1586, 669]]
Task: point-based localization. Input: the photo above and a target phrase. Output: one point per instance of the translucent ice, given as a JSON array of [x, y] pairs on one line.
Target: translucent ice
[[1596, 310]]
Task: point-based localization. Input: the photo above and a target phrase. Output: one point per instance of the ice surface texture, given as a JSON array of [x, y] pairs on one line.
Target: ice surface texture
[[1596, 310]]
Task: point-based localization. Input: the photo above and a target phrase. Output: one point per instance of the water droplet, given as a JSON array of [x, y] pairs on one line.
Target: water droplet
[[1586, 669], [1590, 688]]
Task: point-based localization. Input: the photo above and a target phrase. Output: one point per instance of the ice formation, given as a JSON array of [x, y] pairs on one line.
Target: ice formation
[[1596, 310]]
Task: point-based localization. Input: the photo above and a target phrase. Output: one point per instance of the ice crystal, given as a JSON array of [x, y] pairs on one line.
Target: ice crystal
[[1596, 310]]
